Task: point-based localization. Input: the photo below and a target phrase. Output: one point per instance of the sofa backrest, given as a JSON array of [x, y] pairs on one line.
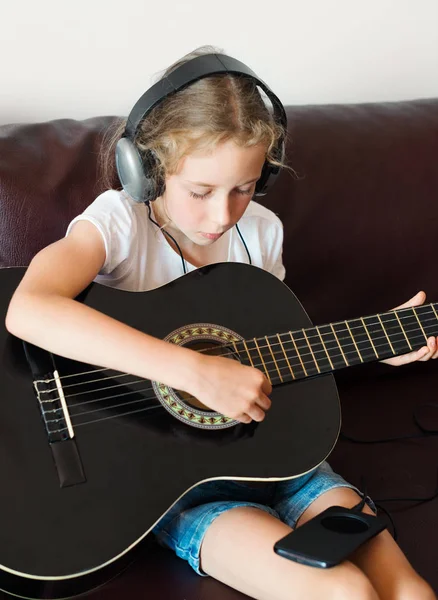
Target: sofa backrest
[[360, 215], [48, 175]]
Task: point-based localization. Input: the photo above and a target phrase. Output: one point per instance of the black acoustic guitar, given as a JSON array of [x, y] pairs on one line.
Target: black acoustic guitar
[[91, 458]]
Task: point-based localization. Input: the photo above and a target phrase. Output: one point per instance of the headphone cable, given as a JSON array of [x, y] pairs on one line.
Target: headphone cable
[[426, 432], [148, 204]]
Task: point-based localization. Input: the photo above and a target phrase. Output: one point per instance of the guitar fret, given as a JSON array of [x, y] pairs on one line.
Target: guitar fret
[[354, 341], [273, 358], [264, 366], [293, 358], [252, 354], [369, 337], [340, 347], [421, 326], [396, 333], [317, 349], [412, 328], [247, 351], [362, 339], [379, 338], [347, 342], [298, 354], [313, 356], [428, 316], [404, 332], [235, 348], [281, 355], [387, 337], [332, 347], [306, 354], [285, 356], [325, 349]]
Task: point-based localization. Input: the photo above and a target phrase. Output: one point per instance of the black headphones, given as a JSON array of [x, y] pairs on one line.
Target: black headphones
[[135, 168]]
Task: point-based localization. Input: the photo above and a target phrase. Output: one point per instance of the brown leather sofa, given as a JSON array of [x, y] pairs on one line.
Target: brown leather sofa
[[361, 232]]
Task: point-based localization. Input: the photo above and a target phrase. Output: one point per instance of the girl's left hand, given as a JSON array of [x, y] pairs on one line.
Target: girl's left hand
[[424, 353]]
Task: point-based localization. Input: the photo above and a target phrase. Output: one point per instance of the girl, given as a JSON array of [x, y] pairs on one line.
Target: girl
[[210, 141]]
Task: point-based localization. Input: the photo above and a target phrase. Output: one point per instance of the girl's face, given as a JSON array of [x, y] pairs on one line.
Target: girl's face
[[210, 192]]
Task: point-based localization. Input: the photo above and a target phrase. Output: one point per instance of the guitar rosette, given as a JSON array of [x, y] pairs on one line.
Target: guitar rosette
[[204, 337]]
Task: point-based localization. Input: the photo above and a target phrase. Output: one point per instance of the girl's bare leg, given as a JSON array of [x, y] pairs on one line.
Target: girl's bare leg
[[380, 559], [238, 550]]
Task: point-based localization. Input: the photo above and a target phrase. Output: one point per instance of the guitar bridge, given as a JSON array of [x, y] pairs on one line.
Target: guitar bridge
[[53, 408], [55, 415]]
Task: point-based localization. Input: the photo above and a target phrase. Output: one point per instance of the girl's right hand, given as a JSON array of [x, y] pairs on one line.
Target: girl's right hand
[[230, 388]]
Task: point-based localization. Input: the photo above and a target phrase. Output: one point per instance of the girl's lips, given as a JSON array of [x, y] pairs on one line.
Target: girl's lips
[[211, 236]]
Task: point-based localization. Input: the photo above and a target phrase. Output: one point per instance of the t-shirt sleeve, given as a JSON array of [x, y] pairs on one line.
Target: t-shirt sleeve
[[274, 254], [113, 215]]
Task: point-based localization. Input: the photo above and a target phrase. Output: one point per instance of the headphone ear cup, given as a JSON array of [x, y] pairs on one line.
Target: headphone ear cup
[[132, 169], [156, 183], [270, 172], [260, 188]]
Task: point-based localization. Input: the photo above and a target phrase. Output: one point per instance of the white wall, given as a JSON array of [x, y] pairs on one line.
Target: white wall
[[94, 57]]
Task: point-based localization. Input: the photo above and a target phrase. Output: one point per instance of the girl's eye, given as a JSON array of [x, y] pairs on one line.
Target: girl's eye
[[193, 195], [243, 192]]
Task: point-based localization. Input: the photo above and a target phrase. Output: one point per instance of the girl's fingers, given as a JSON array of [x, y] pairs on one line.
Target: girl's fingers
[[266, 387], [414, 301], [246, 419], [256, 413], [423, 354], [405, 359], [264, 402]]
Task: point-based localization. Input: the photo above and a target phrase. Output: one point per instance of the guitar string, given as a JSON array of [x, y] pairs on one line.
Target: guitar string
[[157, 405], [278, 357], [390, 313], [130, 412], [309, 337]]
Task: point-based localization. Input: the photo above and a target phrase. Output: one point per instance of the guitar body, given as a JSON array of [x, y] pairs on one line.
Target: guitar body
[[61, 539]]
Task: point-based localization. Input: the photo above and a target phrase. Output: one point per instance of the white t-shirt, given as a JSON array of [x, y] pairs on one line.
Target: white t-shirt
[[139, 257]]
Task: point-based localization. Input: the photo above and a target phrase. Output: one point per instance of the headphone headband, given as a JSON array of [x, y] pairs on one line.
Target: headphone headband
[[135, 168], [188, 73]]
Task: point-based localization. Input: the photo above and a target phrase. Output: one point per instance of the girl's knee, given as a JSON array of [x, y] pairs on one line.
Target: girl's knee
[[416, 589], [350, 582]]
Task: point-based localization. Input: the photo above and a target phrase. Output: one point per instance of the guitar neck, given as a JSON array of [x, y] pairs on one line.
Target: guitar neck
[[317, 350]]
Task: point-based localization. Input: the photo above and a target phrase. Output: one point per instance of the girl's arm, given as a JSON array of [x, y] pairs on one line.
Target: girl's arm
[[43, 312]]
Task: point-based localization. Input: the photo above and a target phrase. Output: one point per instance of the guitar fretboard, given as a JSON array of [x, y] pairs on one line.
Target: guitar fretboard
[[316, 350]]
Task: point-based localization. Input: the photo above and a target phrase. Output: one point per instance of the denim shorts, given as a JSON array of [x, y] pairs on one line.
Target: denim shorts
[[183, 527]]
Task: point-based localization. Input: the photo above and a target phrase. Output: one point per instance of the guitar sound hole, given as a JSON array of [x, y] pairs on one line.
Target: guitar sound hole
[[214, 349]]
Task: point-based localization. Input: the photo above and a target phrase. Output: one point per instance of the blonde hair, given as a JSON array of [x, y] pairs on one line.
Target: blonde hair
[[208, 112]]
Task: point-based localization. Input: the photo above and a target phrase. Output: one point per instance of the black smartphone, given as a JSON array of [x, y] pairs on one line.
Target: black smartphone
[[330, 537]]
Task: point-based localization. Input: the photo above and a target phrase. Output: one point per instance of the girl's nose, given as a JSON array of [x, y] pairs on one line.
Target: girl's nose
[[222, 215]]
